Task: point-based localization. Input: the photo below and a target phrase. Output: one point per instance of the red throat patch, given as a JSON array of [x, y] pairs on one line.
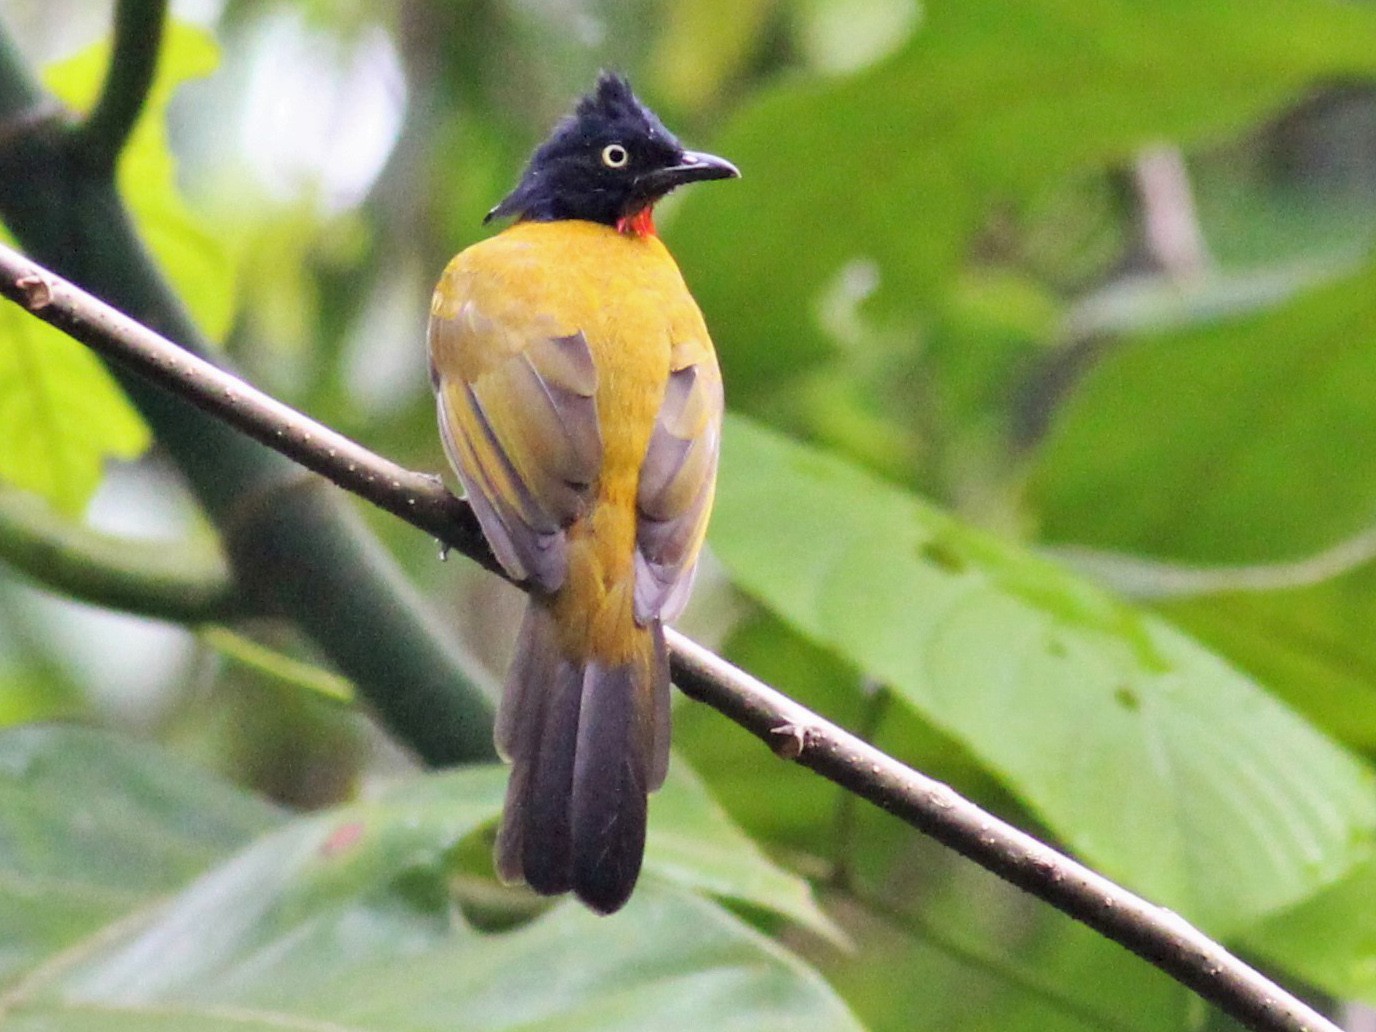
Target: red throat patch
[[641, 223]]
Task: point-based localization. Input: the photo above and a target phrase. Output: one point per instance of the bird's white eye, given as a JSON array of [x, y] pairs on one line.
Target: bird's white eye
[[615, 156]]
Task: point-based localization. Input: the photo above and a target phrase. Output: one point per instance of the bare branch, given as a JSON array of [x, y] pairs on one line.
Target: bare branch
[[790, 730]]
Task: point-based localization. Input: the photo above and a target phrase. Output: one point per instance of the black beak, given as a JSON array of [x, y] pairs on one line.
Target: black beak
[[691, 167]]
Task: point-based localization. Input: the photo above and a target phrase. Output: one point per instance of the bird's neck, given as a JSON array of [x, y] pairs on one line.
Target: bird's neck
[[639, 224]]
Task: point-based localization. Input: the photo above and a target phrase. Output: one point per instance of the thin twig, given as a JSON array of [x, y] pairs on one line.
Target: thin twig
[[791, 731], [133, 62]]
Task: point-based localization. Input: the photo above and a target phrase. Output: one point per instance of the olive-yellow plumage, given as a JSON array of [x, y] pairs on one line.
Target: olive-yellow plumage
[[580, 403], [626, 296]]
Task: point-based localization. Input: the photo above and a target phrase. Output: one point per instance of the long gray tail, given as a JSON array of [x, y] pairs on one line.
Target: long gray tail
[[587, 743]]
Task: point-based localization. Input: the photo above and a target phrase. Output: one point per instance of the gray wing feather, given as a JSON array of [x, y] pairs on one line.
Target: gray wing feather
[[676, 487], [525, 441]]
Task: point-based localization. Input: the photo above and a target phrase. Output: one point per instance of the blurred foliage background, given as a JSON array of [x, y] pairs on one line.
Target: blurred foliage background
[[1049, 333]]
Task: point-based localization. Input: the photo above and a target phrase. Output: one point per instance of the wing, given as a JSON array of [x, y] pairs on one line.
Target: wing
[[677, 482], [519, 424]]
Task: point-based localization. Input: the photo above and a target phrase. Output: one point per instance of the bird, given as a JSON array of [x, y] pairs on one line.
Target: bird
[[580, 404]]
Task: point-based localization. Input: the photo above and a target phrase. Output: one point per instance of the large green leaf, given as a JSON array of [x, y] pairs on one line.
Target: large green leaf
[[344, 918], [693, 842], [1151, 757], [60, 413], [1328, 941], [990, 101], [28, 696], [1001, 960], [781, 804], [1312, 646], [669, 961], [1231, 440], [92, 829]]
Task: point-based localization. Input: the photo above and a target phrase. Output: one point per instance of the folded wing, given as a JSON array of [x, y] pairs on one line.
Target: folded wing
[[676, 487], [519, 423]]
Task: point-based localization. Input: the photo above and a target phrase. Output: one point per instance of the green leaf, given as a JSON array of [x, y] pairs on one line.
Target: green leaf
[[61, 415], [989, 102], [1149, 756], [192, 258], [337, 919], [778, 803], [1312, 646], [694, 843], [1328, 941], [668, 961], [1231, 440], [92, 829], [1001, 961]]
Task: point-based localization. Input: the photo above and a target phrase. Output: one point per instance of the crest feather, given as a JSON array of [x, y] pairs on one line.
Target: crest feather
[[611, 99]]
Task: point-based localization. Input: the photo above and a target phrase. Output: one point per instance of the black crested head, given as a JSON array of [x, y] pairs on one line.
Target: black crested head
[[608, 162]]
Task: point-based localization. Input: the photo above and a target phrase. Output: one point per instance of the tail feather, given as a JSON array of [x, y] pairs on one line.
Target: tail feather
[[610, 783], [517, 734], [541, 697], [547, 842], [510, 848], [587, 742], [518, 717]]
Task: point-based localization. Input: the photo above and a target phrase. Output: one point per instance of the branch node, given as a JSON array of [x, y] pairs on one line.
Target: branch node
[[789, 741], [38, 291]]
